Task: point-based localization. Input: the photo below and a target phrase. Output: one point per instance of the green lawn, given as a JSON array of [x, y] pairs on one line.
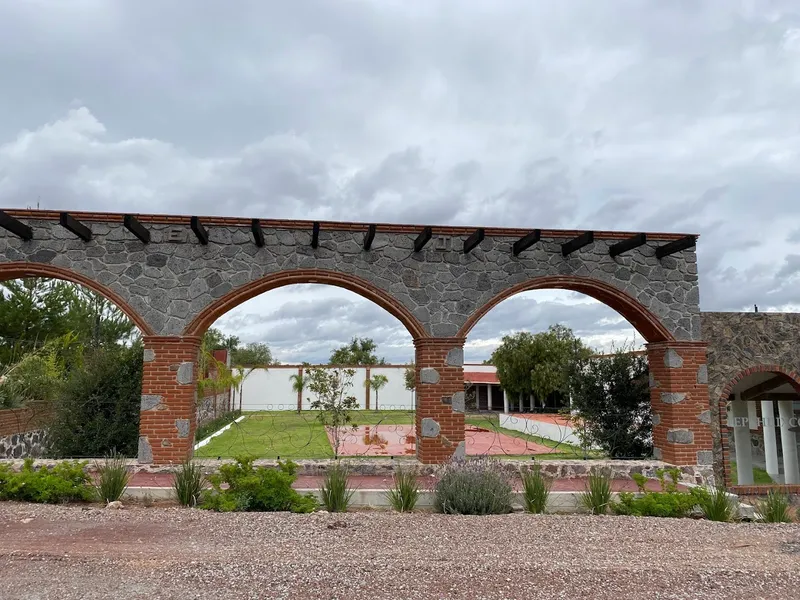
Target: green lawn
[[269, 434], [760, 476], [286, 434]]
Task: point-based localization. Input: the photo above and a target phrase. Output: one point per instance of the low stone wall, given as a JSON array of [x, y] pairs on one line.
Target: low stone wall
[[22, 445], [559, 469], [212, 406]]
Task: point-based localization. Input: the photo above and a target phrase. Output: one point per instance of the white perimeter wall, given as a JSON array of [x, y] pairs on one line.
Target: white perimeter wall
[[271, 389], [550, 431]]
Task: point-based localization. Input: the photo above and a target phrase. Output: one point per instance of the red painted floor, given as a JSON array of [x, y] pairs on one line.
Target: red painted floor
[[398, 440], [377, 482]]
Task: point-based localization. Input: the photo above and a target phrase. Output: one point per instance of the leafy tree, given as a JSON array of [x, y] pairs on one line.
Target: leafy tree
[[254, 354], [299, 383], [98, 409], [331, 387], [360, 351], [39, 376], [611, 396], [410, 377], [376, 382], [540, 364]]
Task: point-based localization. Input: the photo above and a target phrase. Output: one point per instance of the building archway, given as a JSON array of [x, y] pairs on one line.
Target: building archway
[[758, 427], [22, 270], [283, 278]]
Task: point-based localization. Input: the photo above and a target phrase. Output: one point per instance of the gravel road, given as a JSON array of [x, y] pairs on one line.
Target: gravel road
[[69, 552]]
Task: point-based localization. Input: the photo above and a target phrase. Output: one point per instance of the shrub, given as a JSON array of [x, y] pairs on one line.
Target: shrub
[[335, 493], [476, 486], [775, 508], [255, 489], [716, 505], [207, 429], [98, 409], [188, 484], [597, 496], [64, 482], [669, 502], [403, 496], [113, 478], [535, 489]]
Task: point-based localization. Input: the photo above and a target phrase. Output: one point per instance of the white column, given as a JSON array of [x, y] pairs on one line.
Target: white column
[[741, 439], [770, 442], [791, 474], [505, 402], [489, 395]]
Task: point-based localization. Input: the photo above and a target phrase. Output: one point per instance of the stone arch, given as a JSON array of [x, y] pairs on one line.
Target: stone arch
[[18, 270], [723, 463], [647, 323], [346, 281]]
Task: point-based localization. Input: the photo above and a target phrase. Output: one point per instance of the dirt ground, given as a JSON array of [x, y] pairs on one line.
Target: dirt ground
[[72, 552]]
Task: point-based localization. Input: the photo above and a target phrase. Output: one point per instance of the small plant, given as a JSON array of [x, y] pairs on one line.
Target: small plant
[[112, 478], [251, 489], [403, 496], [716, 505], [669, 502], [335, 492], [535, 489], [473, 486], [775, 508], [188, 484], [597, 496], [66, 481]]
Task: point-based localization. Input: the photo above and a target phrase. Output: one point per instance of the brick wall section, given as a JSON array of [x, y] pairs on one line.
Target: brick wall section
[[679, 396], [19, 420], [439, 398], [166, 432]]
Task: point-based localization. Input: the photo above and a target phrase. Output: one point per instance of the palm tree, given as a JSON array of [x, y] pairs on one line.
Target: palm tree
[[298, 385], [376, 383]]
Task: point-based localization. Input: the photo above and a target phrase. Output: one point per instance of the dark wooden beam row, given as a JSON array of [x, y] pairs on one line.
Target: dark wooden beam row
[[526, 241], [677, 246], [258, 234], [577, 243], [199, 231], [763, 387], [315, 235], [423, 238], [15, 226], [369, 237], [640, 239], [474, 240], [133, 225], [72, 224]]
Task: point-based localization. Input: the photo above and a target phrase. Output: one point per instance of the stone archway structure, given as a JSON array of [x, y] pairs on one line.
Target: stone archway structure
[[174, 275]]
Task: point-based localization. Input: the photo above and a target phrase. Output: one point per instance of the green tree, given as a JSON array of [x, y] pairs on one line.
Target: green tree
[[333, 403], [611, 396], [299, 383], [540, 364], [376, 382], [254, 354], [98, 410], [410, 377], [360, 351]]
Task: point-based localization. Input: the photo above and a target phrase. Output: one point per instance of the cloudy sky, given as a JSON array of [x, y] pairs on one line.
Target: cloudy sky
[[622, 114]]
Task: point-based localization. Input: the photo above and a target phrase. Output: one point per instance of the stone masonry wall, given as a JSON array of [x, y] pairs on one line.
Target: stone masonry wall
[[173, 278], [28, 444], [212, 406], [741, 341]]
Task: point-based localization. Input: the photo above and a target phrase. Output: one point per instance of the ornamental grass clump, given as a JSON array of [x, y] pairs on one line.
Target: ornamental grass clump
[[188, 484], [404, 494], [774, 508], [597, 495], [535, 489], [717, 505], [474, 486], [335, 491], [112, 477]]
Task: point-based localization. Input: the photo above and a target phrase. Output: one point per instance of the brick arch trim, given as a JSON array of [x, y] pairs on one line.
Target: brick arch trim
[[19, 270], [651, 328], [791, 376], [355, 284]]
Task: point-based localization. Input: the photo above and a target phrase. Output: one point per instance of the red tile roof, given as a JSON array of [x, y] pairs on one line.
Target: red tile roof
[[481, 377]]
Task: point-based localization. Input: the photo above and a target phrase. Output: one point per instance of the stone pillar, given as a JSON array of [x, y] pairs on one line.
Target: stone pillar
[[505, 402], [741, 441], [770, 441], [679, 399], [440, 399], [791, 473], [167, 418]]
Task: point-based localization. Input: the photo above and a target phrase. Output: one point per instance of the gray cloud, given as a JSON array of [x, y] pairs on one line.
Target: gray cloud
[[623, 115]]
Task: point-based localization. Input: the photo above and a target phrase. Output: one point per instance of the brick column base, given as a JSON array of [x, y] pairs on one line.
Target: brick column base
[[679, 397], [169, 392], [439, 399]]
